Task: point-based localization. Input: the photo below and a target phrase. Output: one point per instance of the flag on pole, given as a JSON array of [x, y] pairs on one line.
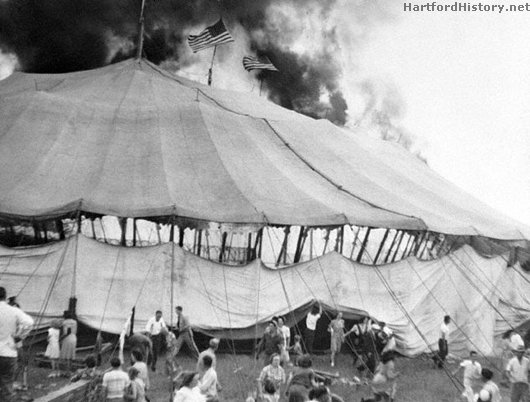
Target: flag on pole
[[211, 36], [254, 63]]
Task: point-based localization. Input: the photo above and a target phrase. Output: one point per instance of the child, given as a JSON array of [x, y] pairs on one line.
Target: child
[[270, 394], [296, 349], [53, 349]]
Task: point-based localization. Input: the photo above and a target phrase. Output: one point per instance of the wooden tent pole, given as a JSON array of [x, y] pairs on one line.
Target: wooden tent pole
[[223, 245], [199, 241], [140, 32], [363, 246], [123, 225], [181, 236], [401, 236], [387, 256], [134, 232], [249, 247], [299, 244], [381, 246], [354, 243]]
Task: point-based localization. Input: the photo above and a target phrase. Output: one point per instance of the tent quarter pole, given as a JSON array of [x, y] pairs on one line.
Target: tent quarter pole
[[223, 246], [401, 236], [363, 246], [381, 246], [389, 251], [300, 244]]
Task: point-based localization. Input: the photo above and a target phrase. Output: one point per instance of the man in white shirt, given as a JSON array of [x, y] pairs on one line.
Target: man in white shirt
[[490, 388], [115, 382], [472, 373], [154, 328], [517, 371], [208, 382], [443, 347], [14, 327], [311, 324], [286, 333]]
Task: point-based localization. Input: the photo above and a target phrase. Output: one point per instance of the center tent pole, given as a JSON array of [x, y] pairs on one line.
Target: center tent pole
[[210, 71]]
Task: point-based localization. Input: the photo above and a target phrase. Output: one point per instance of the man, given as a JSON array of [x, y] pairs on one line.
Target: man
[[472, 373], [184, 334], [213, 346], [143, 343], [208, 382], [311, 325], [14, 327], [270, 343], [154, 328], [114, 382], [517, 372], [443, 346], [285, 331], [489, 387]]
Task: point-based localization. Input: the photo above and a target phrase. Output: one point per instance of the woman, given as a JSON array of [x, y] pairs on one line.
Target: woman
[[302, 378], [286, 334], [53, 350], [187, 388], [69, 343], [273, 373], [336, 328], [135, 391], [384, 382]]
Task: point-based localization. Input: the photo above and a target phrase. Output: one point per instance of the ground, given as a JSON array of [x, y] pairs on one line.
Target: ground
[[419, 381]]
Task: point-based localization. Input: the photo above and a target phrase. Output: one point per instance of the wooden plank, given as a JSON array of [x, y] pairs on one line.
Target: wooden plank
[[74, 392]]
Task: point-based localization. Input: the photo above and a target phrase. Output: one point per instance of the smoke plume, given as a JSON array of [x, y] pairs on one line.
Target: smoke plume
[[311, 42]]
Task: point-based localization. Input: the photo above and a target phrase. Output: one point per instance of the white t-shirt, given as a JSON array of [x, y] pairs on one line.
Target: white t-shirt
[[518, 370], [311, 321], [444, 331], [154, 327], [472, 371]]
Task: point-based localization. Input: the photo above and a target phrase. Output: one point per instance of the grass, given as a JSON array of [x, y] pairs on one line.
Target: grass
[[419, 381]]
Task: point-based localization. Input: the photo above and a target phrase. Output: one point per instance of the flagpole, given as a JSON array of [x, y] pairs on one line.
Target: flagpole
[[260, 85], [210, 71], [140, 32]]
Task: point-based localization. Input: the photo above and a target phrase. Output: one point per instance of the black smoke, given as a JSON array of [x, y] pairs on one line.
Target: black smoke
[[56, 36]]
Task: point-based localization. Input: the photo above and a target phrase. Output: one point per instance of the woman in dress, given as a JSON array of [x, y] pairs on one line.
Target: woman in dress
[[272, 373], [336, 328], [69, 343], [53, 348], [188, 390], [384, 382]]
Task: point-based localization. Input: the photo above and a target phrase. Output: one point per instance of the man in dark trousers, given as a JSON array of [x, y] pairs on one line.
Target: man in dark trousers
[[156, 327], [184, 334], [443, 348]]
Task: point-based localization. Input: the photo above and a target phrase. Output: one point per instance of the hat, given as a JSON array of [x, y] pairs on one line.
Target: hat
[[519, 348]]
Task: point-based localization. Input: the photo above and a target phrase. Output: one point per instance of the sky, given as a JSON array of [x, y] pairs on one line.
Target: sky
[[465, 85], [454, 85]]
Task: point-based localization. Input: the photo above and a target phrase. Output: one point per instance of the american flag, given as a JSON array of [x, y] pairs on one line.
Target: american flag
[[254, 63], [211, 36]]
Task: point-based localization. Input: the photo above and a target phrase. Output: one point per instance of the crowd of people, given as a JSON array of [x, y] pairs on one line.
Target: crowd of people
[[286, 372]]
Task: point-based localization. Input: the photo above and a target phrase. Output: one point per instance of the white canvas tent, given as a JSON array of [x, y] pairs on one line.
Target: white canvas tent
[[131, 140], [484, 296]]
